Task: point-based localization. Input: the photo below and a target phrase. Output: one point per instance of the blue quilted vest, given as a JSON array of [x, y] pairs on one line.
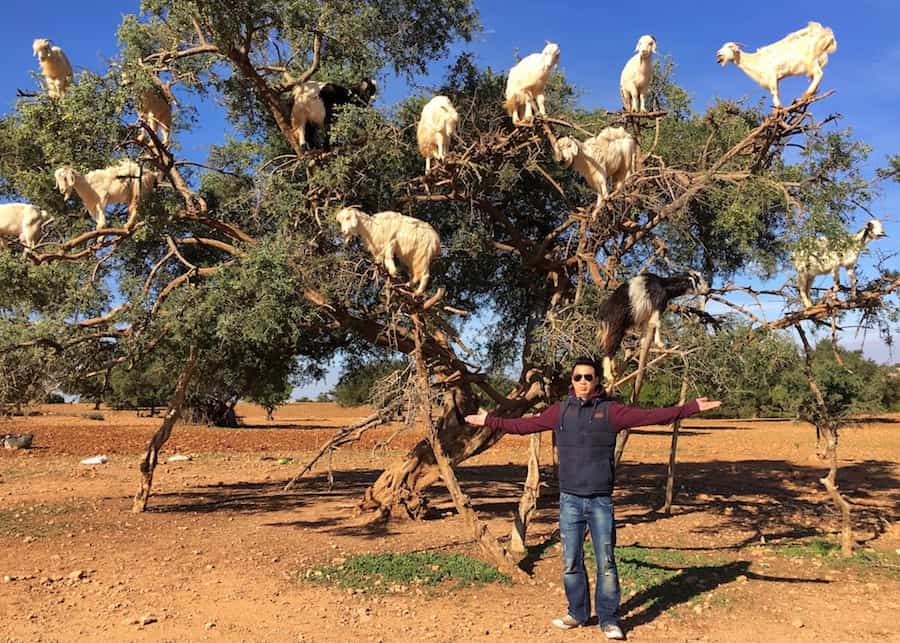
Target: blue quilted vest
[[586, 445]]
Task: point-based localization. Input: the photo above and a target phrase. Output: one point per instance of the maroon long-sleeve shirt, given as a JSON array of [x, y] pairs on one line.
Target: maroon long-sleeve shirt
[[620, 417]]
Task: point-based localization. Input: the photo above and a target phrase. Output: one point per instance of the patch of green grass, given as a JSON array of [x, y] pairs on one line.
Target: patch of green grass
[[396, 572], [829, 552], [35, 521]]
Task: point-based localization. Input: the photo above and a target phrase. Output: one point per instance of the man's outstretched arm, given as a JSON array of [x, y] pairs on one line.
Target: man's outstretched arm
[[626, 417], [546, 421]]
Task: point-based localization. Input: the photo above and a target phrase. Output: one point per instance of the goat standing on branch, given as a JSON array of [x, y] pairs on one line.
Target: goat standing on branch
[[55, 67], [388, 234], [126, 182], [525, 84], [436, 126], [611, 154], [638, 304], [637, 74], [23, 222], [801, 53], [821, 259], [316, 103]]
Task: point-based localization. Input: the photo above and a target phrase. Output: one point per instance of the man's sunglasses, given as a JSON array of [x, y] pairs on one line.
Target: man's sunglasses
[[587, 376]]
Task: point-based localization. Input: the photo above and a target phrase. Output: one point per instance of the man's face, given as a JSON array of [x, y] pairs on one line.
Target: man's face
[[584, 380]]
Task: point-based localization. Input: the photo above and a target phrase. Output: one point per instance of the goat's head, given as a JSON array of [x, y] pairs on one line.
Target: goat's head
[[348, 218], [565, 151], [874, 229], [646, 45], [41, 48], [366, 89], [65, 180], [729, 53], [698, 283], [551, 53]]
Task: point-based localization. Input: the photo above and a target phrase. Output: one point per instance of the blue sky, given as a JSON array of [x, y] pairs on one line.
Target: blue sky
[[596, 38]]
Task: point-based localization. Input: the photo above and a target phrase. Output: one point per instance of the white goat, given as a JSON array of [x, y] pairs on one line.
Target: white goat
[[801, 53], [821, 259], [388, 234], [155, 111], [525, 84], [21, 221], [436, 126], [610, 155], [55, 67], [308, 108], [125, 182], [637, 74]]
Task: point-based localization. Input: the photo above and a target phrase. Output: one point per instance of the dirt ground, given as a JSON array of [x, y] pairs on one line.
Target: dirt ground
[[217, 554]]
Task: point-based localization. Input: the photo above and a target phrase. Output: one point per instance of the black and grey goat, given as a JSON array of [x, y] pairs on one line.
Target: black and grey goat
[[316, 105], [638, 305]]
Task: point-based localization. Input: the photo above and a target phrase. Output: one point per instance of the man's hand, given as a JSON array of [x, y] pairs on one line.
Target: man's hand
[[478, 419], [706, 404]]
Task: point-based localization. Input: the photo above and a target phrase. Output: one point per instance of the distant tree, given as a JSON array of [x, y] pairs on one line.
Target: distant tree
[[354, 387]]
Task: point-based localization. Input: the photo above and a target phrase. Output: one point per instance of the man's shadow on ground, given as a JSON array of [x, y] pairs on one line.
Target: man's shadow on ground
[[691, 582]]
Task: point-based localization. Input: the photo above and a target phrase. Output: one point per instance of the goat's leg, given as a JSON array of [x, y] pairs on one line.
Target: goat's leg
[[776, 101], [132, 213], [851, 273], [301, 134], [836, 275], [653, 326], [427, 164], [100, 216], [540, 104], [609, 371], [389, 261], [643, 101], [816, 77], [422, 282], [529, 114], [804, 281]]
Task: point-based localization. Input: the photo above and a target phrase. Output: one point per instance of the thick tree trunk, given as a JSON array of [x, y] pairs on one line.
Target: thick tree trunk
[[530, 495], [398, 491], [489, 544], [148, 464]]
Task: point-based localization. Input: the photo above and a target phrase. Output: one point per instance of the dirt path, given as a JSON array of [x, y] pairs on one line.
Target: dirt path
[[217, 555]]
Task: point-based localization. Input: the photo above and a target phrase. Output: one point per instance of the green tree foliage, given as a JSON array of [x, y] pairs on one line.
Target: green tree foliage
[[245, 261], [354, 387]]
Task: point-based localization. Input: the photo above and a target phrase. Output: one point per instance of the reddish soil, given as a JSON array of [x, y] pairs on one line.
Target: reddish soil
[[216, 555]]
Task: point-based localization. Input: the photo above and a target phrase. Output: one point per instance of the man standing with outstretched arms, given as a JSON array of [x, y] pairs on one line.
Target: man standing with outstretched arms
[[585, 426]]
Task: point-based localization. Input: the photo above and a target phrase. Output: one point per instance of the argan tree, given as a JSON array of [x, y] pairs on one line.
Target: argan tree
[[236, 267]]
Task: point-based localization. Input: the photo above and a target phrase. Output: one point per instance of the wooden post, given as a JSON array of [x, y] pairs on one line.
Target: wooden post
[[676, 427]]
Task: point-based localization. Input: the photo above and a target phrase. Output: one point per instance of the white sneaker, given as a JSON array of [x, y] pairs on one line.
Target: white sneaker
[[613, 631], [565, 622]]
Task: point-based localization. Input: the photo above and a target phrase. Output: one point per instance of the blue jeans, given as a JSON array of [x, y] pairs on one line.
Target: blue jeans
[[577, 514]]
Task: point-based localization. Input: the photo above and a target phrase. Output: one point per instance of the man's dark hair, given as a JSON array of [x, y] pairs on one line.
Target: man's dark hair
[[585, 361]]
